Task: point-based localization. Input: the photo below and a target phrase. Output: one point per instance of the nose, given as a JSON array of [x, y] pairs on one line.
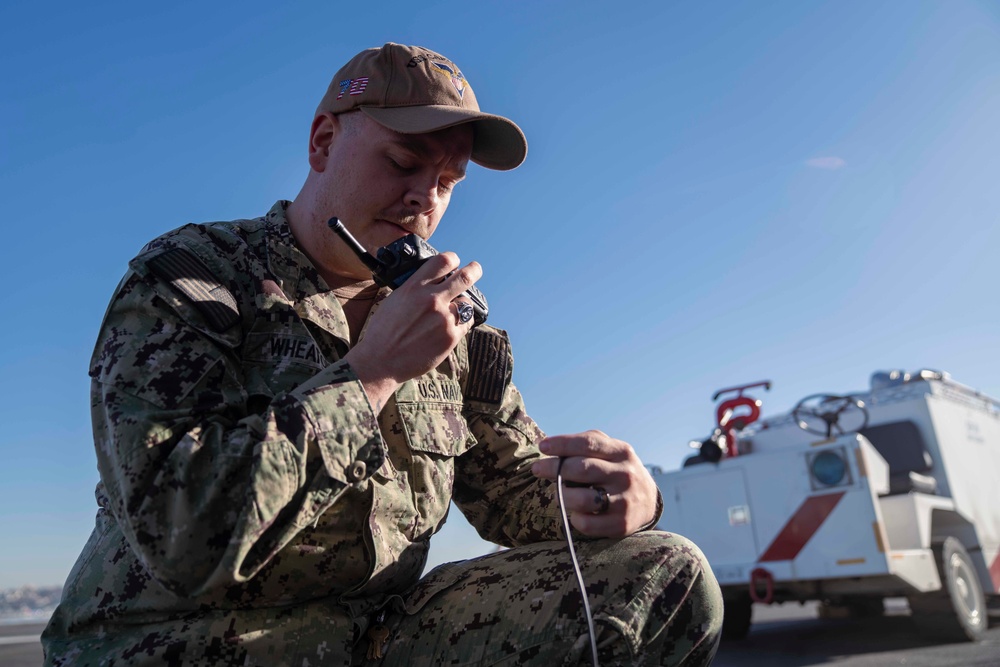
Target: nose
[[423, 194]]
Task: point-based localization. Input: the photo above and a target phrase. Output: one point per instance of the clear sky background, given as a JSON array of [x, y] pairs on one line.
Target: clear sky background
[[715, 193]]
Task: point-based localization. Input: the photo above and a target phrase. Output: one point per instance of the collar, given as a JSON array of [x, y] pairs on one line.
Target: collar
[[296, 275], [299, 279]]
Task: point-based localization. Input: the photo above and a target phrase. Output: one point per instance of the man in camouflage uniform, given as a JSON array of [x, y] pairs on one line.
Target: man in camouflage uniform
[[278, 437]]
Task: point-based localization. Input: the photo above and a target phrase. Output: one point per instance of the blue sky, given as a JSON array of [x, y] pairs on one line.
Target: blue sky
[[715, 193]]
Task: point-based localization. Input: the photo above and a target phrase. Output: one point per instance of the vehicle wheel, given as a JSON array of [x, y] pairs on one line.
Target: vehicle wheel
[[736, 616], [958, 610]]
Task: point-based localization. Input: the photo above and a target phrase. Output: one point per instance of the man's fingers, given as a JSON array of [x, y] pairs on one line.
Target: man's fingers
[[591, 457], [577, 469], [587, 514], [437, 268], [590, 500], [594, 464], [461, 280], [442, 272], [589, 443]]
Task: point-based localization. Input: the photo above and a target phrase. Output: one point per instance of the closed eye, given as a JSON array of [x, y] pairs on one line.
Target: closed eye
[[400, 166]]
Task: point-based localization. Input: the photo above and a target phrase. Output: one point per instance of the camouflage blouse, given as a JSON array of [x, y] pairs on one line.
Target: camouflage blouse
[[242, 467]]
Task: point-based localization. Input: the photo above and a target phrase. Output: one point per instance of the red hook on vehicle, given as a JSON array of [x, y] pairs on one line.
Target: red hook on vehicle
[[755, 577], [732, 420], [728, 420]]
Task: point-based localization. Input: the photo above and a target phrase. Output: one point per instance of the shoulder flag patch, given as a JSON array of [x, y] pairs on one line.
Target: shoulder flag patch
[[489, 357], [189, 276]]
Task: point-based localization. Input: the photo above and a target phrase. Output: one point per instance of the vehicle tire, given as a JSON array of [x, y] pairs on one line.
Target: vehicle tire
[[957, 611], [736, 613]]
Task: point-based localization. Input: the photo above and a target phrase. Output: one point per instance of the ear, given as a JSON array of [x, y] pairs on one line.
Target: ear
[[325, 127]]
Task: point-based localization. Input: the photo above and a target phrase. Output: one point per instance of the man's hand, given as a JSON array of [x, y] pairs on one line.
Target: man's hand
[[596, 460], [414, 329]]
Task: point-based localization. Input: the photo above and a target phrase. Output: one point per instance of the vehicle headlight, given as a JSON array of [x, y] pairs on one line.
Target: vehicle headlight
[[828, 467]]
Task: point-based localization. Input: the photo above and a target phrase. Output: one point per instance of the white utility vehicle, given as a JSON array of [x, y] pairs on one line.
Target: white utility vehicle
[[849, 500]]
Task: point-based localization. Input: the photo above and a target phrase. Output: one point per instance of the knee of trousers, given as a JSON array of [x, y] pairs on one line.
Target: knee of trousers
[[667, 599]]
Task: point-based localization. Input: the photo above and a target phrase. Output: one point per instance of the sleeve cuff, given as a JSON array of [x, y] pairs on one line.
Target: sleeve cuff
[[342, 422], [656, 514]]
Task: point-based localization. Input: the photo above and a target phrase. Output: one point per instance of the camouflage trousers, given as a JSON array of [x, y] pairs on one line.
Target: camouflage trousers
[[653, 597]]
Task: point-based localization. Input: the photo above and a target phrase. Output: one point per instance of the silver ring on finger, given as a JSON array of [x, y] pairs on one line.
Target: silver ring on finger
[[601, 499], [465, 312]]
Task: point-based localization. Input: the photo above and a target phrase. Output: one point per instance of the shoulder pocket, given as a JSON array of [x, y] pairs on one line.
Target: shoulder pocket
[[490, 367], [198, 291], [191, 279]]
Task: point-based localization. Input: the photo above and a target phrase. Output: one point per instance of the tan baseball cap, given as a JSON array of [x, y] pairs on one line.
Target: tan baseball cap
[[413, 90]]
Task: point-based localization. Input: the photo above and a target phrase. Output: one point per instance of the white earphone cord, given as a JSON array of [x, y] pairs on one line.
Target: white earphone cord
[[576, 563]]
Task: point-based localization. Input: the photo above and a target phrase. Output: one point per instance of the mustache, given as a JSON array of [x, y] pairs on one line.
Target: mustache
[[406, 219]]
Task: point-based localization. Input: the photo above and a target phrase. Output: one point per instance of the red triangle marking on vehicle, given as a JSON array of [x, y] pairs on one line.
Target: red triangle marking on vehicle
[[801, 527]]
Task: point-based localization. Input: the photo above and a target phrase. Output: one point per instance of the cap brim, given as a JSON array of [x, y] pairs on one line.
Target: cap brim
[[498, 143]]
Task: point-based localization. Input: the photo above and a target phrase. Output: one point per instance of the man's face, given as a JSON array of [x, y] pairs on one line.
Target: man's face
[[384, 185]]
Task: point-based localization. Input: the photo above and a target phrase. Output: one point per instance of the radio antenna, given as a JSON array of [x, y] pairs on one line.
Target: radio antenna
[[370, 261]]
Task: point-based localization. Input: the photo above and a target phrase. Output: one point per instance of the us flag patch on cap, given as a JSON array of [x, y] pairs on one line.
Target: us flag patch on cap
[[353, 86], [489, 355]]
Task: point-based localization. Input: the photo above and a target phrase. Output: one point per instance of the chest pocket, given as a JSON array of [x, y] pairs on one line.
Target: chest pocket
[[430, 409]]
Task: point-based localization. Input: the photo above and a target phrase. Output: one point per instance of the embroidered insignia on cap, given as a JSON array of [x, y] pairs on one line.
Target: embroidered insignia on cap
[[353, 86], [456, 77]]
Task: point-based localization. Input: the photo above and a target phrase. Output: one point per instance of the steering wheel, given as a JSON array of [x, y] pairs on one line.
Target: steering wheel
[[824, 411]]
